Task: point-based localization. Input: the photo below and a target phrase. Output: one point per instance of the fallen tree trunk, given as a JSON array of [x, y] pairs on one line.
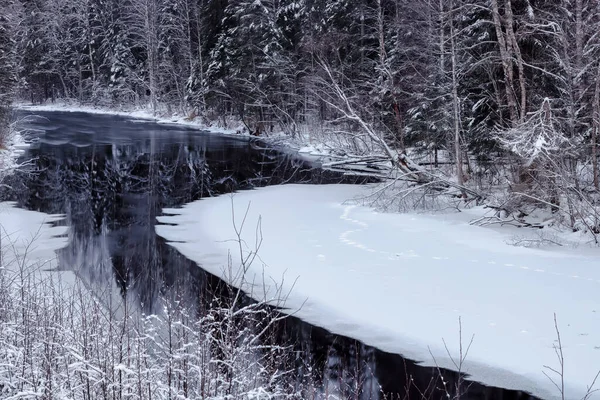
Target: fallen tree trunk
[[333, 94]]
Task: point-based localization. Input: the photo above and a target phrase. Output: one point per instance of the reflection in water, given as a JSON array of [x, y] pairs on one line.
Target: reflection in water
[[112, 183], [111, 177]]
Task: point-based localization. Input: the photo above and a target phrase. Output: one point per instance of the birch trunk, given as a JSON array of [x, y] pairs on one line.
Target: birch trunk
[[579, 47], [516, 53], [596, 129], [506, 57], [456, 110]]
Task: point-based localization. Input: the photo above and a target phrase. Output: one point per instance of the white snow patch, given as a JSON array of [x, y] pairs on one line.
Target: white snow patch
[[28, 238], [141, 114], [8, 156], [406, 294]]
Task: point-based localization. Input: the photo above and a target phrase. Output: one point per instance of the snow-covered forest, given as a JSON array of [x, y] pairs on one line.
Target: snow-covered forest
[[508, 91], [486, 107]]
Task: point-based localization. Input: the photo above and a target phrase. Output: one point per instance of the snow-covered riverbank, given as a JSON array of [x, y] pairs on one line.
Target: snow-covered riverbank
[[310, 144], [133, 113], [400, 282], [9, 155]]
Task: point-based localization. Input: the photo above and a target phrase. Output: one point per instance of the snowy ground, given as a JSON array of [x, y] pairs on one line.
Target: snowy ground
[[400, 281]]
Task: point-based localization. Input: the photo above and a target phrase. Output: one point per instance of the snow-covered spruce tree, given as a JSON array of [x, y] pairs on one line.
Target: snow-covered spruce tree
[[74, 47], [183, 61], [576, 48], [252, 66], [118, 66], [481, 98], [196, 86], [339, 39], [146, 29], [428, 122], [46, 68]]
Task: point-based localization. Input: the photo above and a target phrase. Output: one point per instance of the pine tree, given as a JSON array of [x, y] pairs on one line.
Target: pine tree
[[253, 56]]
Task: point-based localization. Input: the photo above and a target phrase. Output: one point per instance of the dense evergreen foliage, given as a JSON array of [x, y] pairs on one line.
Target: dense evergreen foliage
[[262, 59], [260, 56], [471, 78]]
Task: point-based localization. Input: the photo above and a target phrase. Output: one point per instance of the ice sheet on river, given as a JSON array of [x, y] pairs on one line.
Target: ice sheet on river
[[400, 281], [28, 238]]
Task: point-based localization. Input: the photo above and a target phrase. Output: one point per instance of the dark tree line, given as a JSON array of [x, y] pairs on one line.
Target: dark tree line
[[262, 59], [466, 77]]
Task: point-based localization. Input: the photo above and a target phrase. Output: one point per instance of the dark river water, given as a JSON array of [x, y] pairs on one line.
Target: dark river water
[[111, 176]]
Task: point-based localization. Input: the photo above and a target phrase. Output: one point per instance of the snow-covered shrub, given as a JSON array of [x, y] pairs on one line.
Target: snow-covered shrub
[[547, 172], [537, 141], [59, 341]]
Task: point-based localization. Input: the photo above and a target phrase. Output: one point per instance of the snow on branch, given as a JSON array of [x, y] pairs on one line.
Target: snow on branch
[[537, 138]]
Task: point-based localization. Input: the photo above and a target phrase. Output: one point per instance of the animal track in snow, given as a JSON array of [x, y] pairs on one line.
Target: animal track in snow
[[543, 271], [344, 237], [346, 216], [407, 254]]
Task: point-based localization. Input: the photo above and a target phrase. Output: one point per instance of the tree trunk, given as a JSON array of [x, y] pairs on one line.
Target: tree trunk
[[381, 35], [442, 39], [151, 14], [80, 82], [596, 129], [506, 57], [92, 67], [456, 110], [387, 74], [200, 59], [510, 32], [579, 47]]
